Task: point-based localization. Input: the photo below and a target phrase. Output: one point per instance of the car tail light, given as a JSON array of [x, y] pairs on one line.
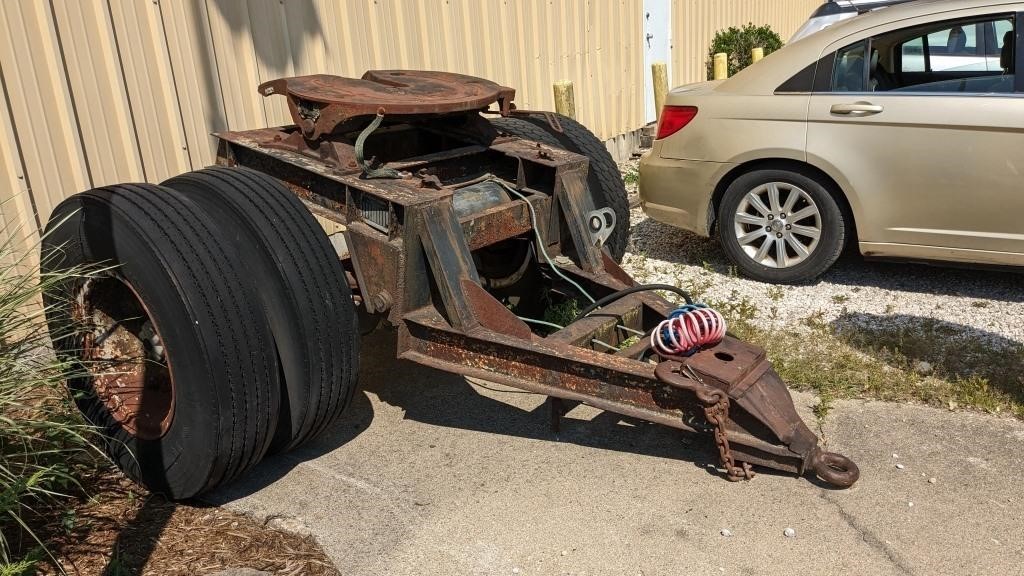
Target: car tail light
[[673, 119]]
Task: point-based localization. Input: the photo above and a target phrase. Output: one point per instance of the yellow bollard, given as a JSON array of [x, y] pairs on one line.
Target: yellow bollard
[[565, 103], [659, 76], [721, 66], [756, 54]]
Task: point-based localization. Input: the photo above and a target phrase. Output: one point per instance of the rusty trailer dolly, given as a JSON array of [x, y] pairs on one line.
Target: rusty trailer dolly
[[458, 232]]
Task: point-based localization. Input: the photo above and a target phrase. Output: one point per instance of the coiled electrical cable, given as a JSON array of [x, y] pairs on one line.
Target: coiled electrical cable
[[688, 329]]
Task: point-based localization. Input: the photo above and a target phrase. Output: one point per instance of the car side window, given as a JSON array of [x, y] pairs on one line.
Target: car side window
[[912, 55], [961, 56], [850, 71], [957, 48]]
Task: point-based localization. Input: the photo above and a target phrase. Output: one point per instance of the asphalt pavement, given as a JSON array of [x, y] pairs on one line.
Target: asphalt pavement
[[431, 474]]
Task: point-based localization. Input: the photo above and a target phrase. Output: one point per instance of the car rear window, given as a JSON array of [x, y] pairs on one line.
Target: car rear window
[[967, 56]]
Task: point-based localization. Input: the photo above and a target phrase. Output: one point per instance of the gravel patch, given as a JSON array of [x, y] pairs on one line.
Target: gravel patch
[[854, 294]]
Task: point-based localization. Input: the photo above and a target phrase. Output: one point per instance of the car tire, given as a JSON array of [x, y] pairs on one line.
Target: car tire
[[168, 311], [603, 178], [301, 286], [768, 244]]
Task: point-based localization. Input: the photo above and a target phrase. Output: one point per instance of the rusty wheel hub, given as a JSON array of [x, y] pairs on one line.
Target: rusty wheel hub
[[125, 357]]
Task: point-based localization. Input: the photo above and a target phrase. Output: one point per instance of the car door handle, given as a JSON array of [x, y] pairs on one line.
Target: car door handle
[[856, 109]]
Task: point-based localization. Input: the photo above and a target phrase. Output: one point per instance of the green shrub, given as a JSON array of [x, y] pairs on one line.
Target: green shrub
[[44, 443], [738, 42]]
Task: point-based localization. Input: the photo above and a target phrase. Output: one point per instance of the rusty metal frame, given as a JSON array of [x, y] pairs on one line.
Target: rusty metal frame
[[412, 259]]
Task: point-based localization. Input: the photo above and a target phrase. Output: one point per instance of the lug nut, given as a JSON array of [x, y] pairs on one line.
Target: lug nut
[[789, 226], [771, 216], [778, 234], [768, 228], [783, 215]]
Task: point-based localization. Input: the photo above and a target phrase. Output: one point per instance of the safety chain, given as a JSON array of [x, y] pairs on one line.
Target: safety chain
[[716, 412]]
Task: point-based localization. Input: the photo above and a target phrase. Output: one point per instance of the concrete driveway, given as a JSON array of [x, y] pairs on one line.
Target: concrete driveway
[[430, 474]]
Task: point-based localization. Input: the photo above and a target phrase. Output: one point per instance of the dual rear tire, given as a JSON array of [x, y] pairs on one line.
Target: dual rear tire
[[215, 325]]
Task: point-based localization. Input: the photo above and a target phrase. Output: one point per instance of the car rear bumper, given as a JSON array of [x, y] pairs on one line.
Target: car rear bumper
[[678, 192]]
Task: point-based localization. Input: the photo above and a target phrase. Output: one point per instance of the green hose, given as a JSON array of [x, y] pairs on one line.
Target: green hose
[[369, 171]]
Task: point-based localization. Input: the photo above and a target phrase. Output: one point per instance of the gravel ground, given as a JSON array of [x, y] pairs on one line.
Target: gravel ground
[[965, 303]]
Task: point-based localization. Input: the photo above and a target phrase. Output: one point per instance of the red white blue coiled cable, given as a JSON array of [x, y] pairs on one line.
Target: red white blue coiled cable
[[688, 329]]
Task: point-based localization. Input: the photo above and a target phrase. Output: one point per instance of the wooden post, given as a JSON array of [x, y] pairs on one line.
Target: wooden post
[[756, 54], [565, 102], [659, 76], [721, 66]]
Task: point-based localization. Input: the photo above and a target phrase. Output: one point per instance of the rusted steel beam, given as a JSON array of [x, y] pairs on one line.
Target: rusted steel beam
[[449, 261], [496, 224], [575, 204], [601, 380], [379, 269]]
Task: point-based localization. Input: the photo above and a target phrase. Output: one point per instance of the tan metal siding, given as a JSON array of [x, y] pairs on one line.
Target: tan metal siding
[[196, 85], [142, 53], [234, 56], [98, 90], [43, 118], [101, 91], [16, 216], [694, 23]]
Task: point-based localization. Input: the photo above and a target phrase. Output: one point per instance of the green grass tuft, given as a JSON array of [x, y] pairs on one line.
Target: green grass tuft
[[631, 175], [44, 443], [929, 362], [562, 313]]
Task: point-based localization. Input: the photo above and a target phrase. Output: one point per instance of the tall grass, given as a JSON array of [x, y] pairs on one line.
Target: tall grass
[[44, 443]]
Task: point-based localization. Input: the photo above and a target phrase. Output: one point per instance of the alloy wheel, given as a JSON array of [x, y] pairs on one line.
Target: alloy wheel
[[777, 225]]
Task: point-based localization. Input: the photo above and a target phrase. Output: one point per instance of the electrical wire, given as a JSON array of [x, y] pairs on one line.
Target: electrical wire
[[558, 327], [540, 241], [540, 322], [621, 326], [664, 338], [605, 344], [631, 330], [633, 289]]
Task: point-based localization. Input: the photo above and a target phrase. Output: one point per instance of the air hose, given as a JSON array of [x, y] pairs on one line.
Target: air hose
[[368, 170]]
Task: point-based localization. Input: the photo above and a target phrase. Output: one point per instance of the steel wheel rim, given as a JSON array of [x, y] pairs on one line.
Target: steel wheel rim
[[777, 225], [125, 357]]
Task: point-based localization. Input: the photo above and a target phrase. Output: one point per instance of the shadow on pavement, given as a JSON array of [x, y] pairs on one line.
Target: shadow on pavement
[[441, 399]]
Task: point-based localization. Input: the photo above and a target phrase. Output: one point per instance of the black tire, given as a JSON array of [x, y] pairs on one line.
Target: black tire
[[833, 227], [208, 404], [301, 286], [603, 179]]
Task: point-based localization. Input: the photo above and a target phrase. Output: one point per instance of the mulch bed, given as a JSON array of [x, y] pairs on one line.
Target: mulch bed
[[121, 530]]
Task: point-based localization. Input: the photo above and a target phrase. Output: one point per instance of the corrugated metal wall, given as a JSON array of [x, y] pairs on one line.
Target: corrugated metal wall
[[104, 91], [694, 23]]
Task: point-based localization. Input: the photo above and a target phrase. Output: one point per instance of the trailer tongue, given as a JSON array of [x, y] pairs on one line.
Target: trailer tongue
[[461, 236]]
